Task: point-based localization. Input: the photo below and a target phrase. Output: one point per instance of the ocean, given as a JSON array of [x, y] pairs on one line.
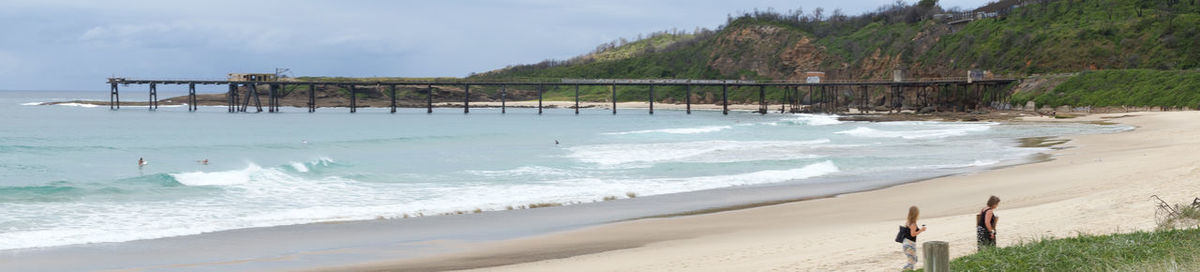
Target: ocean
[[69, 173]]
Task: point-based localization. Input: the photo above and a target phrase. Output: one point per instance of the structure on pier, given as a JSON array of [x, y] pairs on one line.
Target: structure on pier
[[821, 95]]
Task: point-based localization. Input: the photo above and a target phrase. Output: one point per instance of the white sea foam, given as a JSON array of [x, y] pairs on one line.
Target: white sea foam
[[696, 151], [81, 105], [231, 177], [934, 132], [526, 171], [976, 163], [32, 104], [299, 167], [692, 130], [816, 119]]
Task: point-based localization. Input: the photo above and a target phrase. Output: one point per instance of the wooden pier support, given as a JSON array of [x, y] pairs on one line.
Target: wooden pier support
[[353, 98], [153, 105], [277, 91], [392, 90], [808, 99], [251, 92], [651, 99], [467, 98], [787, 92], [762, 99], [503, 99], [576, 99], [725, 99], [688, 96], [312, 98], [613, 90], [541, 90], [114, 98], [257, 102], [429, 99], [192, 97], [231, 97], [271, 98]]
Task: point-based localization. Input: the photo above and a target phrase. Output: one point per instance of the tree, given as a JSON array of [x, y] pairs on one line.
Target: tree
[[927, 3]]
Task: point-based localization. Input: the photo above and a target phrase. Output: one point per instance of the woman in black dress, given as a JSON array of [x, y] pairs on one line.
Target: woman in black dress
[[985, 224]]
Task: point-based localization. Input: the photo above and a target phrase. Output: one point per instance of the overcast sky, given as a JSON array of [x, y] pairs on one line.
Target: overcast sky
[[75, 45]]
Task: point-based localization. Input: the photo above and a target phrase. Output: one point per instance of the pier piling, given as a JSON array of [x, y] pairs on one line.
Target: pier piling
[[541, 90], [353, 98], [271, 98], [467, 98], [503, 99], [192, 97], [257, 102], [153, 105], [651, 99], [429, 99], [231, 98], [392, 90], [114, 99], [576, 99], [613, 89], [762, 99], [688, 96], [725, 99], [312, 98]]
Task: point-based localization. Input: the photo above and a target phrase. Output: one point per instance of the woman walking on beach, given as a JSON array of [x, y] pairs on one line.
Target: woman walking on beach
[[985, 224], [910, 237]]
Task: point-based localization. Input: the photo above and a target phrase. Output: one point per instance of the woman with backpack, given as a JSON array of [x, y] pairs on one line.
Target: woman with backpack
[[908, 237]]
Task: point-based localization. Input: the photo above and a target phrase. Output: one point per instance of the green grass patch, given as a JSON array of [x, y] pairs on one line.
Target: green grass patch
[[1115, 88], [1165, 250]]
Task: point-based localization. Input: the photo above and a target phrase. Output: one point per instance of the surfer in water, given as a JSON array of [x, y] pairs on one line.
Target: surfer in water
[[141, 162], [203, 162]]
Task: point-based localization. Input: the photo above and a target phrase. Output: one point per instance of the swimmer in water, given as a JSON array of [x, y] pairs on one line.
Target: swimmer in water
[[203, 162]]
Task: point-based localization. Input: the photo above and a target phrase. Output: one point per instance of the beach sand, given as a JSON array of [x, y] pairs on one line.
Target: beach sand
[[1097, 184]]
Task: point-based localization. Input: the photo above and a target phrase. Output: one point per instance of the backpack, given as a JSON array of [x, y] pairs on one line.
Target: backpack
[[903, 233]]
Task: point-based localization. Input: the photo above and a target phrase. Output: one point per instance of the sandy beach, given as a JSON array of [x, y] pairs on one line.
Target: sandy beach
[[1095, 184]]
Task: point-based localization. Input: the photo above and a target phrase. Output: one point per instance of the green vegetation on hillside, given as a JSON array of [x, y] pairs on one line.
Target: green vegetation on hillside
[[1052, 36], [1066, 36], [1115, 88], [1167, 250]]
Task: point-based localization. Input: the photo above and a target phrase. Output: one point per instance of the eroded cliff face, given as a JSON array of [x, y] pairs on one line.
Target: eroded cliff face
[[785, 54], [766, 50]]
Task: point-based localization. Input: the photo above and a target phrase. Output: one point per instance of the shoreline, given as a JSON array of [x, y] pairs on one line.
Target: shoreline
[[770, 237], [117, 255]]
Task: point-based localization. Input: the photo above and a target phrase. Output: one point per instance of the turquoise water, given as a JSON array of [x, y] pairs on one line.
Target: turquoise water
[[69, 174]]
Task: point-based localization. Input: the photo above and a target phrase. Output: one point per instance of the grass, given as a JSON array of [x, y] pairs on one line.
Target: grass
[[1116, 88], [1168, 250]]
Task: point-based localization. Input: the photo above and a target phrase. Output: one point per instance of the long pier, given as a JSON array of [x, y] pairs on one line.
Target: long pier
[[956, 94]]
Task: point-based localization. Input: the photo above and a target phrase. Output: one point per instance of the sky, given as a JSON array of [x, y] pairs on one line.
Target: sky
[[76, 45]]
